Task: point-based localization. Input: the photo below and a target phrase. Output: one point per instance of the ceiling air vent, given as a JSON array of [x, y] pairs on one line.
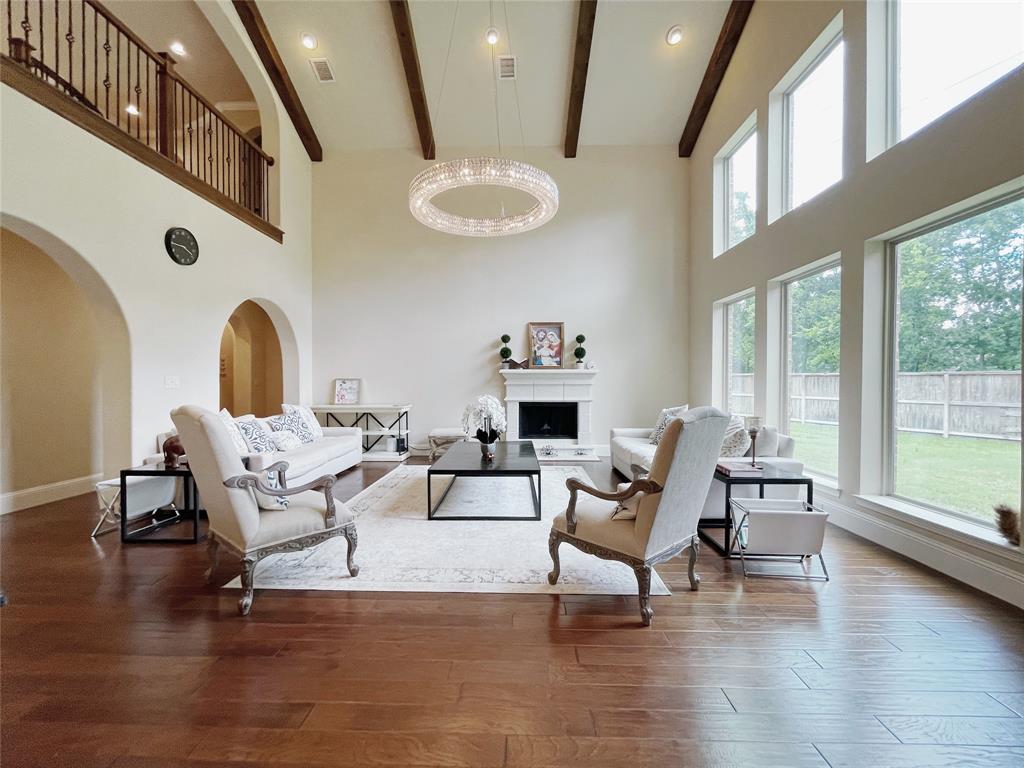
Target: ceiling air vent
[[322, 70], [506, 67]]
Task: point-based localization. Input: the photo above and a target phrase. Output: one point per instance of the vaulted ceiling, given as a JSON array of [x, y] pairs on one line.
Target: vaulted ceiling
[[639, 90]]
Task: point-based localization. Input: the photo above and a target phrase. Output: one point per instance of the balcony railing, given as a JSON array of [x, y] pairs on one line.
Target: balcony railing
[[81, 49]]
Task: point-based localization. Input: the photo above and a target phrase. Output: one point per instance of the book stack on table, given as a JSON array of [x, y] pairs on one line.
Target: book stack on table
[[739, 469]]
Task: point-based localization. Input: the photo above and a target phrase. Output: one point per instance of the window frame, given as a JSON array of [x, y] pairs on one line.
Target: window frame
[[831, 262], [737, 143], [787, 123], [890, 348], [726, 348]]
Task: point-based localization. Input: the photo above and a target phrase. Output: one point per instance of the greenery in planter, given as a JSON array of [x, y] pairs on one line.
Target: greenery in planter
[[580, 352], [505, 352]]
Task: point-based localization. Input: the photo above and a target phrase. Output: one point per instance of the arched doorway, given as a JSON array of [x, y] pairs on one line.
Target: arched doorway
[[64, 372], [251, 367]]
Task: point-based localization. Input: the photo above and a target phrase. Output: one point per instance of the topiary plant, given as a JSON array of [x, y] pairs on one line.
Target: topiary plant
[[580, 352], [505, 352]]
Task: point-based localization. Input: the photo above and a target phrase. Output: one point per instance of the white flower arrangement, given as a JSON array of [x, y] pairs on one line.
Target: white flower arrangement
[[484, 407]]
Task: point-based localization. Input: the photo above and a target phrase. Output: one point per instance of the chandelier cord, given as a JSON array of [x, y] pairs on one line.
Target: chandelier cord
[[515, 83], [494, 82], [448, 55]]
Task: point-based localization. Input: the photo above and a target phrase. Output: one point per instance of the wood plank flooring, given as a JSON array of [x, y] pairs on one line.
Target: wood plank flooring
[[121, 657]]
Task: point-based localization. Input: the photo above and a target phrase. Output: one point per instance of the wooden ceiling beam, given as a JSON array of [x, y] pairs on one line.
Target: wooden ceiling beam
[[728, 38], [254, 24], [585, 15], [413, 75]]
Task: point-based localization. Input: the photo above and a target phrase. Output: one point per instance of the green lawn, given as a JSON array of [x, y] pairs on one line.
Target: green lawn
[[968, 475]]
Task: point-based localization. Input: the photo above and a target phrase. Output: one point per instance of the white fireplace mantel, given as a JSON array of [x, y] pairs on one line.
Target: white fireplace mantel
[[553, 385]]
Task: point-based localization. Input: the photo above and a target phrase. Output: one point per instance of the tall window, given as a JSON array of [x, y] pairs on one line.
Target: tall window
[[943, 53], [739, 356], [814, 128], [812, 368], [741, 190], [955, 407]]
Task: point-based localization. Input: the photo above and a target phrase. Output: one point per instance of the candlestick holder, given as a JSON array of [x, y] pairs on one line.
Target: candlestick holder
[[753, 424]]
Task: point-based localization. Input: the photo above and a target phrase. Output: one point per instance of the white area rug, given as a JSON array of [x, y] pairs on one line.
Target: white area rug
[[401, 551]]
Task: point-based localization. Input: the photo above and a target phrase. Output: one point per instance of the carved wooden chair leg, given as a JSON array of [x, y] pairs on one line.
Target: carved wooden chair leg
[[643, 580], [353, 539], [553, 542], [248, 567], [213, 553], [694, 554]]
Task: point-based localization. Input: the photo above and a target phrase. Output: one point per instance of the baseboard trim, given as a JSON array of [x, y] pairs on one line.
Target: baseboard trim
[[996, 571], [45, 494]]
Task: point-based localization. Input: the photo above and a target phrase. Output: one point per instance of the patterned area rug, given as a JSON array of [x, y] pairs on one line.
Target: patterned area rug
[[401, 551]]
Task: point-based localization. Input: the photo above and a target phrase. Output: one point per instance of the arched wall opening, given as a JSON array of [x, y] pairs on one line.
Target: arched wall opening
[[65, 418], [257, 352]]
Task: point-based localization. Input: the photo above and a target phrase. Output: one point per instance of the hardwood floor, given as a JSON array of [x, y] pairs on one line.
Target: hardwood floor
[[121, 657]]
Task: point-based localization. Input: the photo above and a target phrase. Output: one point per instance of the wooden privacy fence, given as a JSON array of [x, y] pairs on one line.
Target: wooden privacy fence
[[949, 403], [81, 49]]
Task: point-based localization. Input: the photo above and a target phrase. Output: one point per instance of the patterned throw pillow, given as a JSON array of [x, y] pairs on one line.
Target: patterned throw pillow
[[256, 436], [271, 503], [737, 439], [307, 416], [232, 428], [294, 423], [663, 419], [285, 440], [626, 510]]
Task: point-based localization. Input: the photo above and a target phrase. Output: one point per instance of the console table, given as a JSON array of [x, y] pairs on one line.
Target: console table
[[378, 421]]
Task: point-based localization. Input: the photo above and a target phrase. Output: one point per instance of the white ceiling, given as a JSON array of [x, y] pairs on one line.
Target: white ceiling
[[639, 90]]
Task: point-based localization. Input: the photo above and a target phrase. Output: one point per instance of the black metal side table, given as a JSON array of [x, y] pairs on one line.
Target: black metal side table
[[143, 535], [769, 475]]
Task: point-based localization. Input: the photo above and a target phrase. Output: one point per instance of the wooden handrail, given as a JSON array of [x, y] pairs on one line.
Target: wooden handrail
[[82, 49], [220, 115]]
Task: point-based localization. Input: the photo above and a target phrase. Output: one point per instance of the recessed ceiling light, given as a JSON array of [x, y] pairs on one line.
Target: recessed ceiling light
[[309, 42], [178, 49], [491, 36], [674, 35], [131, 109]]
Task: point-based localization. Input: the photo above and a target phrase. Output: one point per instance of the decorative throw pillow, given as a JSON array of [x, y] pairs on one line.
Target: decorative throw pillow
[[271, 503], [307, 416], [256, 436], [233, 433], [663, 419], [737, 439], [768, 441], [626, 510], [285, 440], [293, 422]]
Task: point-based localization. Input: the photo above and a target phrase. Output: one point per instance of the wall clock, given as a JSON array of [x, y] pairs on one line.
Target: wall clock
[[182, 246]]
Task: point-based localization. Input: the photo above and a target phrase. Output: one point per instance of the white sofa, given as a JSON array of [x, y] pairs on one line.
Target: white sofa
[[339, 449], [631, 445]]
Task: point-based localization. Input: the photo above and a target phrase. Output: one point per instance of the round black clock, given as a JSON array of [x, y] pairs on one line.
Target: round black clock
[[181, 246]]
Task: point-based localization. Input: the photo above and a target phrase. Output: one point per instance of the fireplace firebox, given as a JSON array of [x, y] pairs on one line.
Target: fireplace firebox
[[548, 421]]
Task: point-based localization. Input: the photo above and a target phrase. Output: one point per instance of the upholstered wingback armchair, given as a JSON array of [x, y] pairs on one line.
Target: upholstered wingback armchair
[[239, 521], [673, 495]]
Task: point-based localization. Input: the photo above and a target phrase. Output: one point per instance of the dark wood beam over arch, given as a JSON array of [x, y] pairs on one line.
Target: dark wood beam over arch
[[254, 24], [728, 38], [413, 76], [586, 14]]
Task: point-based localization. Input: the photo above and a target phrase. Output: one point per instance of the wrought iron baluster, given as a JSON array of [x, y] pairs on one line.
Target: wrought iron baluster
[[106, 75]]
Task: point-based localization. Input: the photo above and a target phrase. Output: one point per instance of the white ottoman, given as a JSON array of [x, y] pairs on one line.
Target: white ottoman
[[146, 495], [443, 437]]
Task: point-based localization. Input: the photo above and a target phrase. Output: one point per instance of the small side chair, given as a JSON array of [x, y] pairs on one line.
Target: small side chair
[[231, 497], [666, 515]]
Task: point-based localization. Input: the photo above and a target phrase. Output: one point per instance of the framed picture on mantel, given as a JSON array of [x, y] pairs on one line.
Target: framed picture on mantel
[[546, 344], [346, 391]]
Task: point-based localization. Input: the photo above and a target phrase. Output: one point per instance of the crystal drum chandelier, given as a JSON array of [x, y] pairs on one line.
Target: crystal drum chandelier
[[491, 171], [484, 171]]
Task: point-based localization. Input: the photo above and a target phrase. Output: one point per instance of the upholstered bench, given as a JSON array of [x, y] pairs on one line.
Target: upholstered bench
[[442, 438]]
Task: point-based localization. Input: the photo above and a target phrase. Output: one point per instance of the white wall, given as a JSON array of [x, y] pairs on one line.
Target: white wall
[[97, 211], [971, 151], [417, 314]]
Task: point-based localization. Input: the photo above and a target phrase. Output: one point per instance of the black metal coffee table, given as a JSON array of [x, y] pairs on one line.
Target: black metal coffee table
[[511, 459], [769, 475]]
